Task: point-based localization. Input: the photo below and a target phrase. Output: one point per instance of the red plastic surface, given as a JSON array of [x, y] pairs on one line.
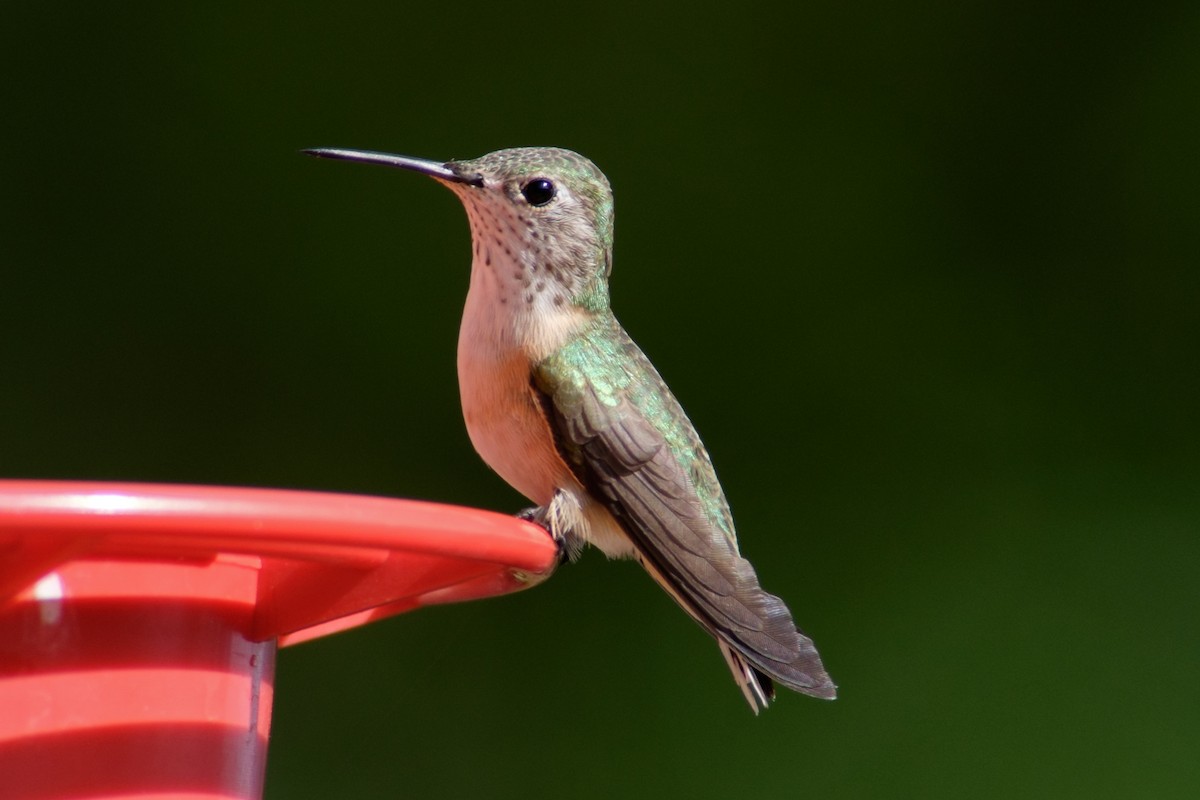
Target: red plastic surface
[[138, 622]]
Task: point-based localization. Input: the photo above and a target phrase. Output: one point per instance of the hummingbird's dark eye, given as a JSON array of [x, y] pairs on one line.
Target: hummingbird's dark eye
[[538, 191]]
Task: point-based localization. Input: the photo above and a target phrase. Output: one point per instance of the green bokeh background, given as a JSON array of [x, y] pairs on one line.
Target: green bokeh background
[[924, 276]]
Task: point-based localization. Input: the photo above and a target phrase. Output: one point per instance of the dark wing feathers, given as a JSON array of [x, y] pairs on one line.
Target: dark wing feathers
[[627, 463], [702, 566]]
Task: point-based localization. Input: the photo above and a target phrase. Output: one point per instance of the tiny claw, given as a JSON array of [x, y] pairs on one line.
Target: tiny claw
[[534, 515]]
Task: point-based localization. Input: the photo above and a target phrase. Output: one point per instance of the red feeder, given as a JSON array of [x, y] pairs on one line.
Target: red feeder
[[138, 622]]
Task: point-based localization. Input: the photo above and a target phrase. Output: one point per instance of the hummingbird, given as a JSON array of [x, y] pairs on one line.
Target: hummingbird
[[560, 402]]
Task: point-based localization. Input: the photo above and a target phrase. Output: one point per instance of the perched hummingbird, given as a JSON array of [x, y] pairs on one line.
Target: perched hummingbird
[[564, 406]]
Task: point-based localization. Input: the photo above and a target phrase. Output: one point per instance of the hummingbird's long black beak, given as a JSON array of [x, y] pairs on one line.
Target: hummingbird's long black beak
[[444, 172]]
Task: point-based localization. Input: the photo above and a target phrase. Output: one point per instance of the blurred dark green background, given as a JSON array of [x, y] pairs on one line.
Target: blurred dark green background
[[925, 278]]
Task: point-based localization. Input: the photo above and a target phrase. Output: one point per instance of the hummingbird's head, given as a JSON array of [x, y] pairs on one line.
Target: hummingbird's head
[[541, 220]]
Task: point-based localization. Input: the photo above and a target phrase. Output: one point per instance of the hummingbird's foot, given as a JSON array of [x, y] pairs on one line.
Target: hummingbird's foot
[[553, 517]]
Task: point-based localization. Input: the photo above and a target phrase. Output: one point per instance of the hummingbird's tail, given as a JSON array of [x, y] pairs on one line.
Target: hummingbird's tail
[[754, 631]]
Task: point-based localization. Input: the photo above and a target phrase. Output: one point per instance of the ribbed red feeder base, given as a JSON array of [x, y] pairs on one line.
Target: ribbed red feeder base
[[138, 623]]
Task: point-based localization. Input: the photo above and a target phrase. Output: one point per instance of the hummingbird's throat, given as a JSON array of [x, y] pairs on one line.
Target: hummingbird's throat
[[507, 245]]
